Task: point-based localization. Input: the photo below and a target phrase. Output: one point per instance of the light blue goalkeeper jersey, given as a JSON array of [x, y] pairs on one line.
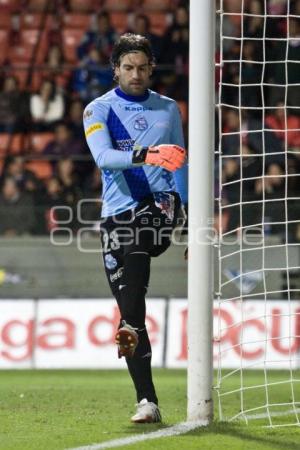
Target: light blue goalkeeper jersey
[[113, 124]]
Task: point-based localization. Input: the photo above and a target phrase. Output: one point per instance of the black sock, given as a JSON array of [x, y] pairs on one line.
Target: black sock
[[139, 367], [134, 287]]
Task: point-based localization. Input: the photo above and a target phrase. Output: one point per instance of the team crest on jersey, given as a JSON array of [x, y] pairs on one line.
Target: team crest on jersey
[[140, 123], [110, 262], [88, 114]]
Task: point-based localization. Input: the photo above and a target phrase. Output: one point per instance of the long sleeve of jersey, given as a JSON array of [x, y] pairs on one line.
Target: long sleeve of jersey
[[99, 140]]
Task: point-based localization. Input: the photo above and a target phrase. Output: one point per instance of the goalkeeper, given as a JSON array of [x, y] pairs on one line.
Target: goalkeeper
[[135, 136]]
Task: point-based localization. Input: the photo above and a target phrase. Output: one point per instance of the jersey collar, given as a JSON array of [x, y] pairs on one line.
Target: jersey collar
[[132, 98]]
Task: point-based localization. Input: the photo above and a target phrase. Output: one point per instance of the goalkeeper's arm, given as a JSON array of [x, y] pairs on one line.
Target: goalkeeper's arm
[[168, 156]]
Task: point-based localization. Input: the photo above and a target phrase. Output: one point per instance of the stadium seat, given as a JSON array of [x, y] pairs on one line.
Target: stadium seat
[[85, 5], [117, 5], [30, 37], [159, 22], [77, 20], [4, 144], [20, 53], [4, 41], [119, 21], [23, 51], [36, 21], [71, 40], [42, 169], [5, 20], [38, 5], [38, 141], [31, 20], [10, 5], [11, 144], [158, 5], [30, 41]]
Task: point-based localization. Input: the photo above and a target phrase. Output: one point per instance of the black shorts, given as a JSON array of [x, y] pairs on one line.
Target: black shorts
[[147, 228]]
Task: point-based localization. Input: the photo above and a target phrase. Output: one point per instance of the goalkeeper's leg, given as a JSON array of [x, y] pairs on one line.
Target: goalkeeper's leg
[[134, 284], [128, 277]]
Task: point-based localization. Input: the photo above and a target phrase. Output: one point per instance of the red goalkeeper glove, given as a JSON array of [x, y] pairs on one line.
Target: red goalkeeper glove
[[168, 156]]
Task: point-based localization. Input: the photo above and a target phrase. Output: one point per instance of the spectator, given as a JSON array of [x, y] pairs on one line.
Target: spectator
[[239, 176], [257, 140], [254, 23], [248, 167], [64, 144], [176, 41], [27, 182], [16, 210], [25, 179], [285, 75], [65, 172], [175, 51], [13, 106], [273, 184], [71, 193], [74, 119], [54, 197], [46, 107], [92, 78], [229, 28], [281, 119], [102, 38], [141, 25], [55, 67], [277, 7], [249, 75], [272, 187], [92, 193]]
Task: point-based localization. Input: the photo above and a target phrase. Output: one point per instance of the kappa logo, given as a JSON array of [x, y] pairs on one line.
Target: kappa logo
[[98, 126], [138, 108], [140, 123]]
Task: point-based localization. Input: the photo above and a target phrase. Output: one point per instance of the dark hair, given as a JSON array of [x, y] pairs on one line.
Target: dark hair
[[129, 43], [53, 87], [103, 14]]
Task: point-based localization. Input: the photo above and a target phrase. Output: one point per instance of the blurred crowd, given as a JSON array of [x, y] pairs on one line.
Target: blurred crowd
[[259, 111], [44, 156], [52, 165]]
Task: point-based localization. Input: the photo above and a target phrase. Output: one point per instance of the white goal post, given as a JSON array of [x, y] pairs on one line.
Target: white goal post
[[201, 154], [255, 173]]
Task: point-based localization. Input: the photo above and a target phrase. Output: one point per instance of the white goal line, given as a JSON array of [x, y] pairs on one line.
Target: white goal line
[[175, 430]]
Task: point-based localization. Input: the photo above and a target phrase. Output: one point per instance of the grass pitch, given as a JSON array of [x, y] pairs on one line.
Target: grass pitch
[[56, 410]]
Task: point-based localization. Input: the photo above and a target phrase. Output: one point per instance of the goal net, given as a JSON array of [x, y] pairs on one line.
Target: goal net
[[257, 314]]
